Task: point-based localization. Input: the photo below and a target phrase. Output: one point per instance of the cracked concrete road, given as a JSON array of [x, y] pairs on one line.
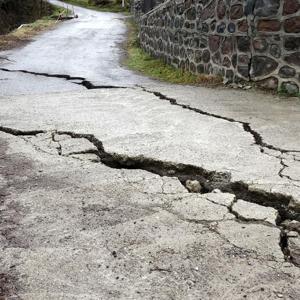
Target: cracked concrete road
[[87, 47], [93, 202], [153, 191], [72, 228]]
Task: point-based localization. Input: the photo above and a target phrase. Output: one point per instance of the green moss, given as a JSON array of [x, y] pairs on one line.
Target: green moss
[[282, 90]]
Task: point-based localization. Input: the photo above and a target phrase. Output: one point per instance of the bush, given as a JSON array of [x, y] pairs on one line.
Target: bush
[[13, 13]]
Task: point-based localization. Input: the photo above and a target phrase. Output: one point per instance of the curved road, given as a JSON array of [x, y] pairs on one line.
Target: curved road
[[87, 47], [120, 194]]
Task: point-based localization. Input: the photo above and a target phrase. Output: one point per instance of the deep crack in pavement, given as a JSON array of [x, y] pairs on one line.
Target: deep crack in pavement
[[246, 126], [82, 81], [208, 179], [95, 194], [211, 181]]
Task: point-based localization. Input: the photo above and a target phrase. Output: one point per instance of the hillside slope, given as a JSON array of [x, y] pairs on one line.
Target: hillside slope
[[13, 13]]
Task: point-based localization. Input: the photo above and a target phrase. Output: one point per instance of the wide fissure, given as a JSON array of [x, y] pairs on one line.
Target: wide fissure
[[209, 180]]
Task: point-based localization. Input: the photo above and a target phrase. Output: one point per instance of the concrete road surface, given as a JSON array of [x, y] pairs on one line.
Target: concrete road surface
[[88, 47], [144, 191]]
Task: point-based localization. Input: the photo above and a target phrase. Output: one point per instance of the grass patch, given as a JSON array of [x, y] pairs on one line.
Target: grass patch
[[24, 33], [138, 60], [111, 7]]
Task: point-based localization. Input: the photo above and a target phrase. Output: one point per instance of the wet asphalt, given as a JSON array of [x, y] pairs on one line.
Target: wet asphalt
[[88, 47]]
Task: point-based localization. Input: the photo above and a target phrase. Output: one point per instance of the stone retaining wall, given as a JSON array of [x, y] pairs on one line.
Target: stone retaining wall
[[257, 40]]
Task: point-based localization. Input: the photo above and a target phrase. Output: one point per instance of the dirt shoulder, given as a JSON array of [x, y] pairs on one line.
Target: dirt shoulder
[[24, 33]]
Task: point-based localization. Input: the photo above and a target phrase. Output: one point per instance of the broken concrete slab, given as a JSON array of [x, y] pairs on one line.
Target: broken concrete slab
[[115, 220], [220, 198], [76, 146], [63, 144], [292, 171], [77, 219], [197, 208], [254, 212], [294, 248], [256, 238], [163, 133]]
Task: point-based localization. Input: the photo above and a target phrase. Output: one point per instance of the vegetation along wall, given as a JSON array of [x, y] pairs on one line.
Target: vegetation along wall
[[257, 40], [13, 13]]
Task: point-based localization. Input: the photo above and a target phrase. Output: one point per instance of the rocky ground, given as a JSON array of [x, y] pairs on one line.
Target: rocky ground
[[135, 189]]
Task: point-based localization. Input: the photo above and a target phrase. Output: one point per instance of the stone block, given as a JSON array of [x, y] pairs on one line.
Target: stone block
[[243, 26], [208, 11], [292, 43], [221, 27], [231, 28], [243, 59], [208, 68], [226, 62], [234, 60], [206, 56], [191, 14], [200, 69], [287, 72], [229, 75], [227, 45], [266, 8], [205, 28], [243, 43], [236, 11], [213, 26], [290, 88], [275, 51], [290, 7], [216, 58], [269, 25], [270, 83], [260, 44], [198, 56], [221, 9], [192, 67], [214, 42], [293, 58], [262, 66], [244, 71], [292, 25]]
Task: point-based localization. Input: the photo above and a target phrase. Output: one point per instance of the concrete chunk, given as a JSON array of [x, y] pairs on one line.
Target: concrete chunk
[[252, 211]]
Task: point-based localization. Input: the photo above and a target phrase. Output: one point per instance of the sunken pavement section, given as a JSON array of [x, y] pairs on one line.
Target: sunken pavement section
[[133, 194]]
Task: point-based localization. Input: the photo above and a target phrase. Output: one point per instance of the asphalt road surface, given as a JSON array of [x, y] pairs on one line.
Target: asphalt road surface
[[150, 191]]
